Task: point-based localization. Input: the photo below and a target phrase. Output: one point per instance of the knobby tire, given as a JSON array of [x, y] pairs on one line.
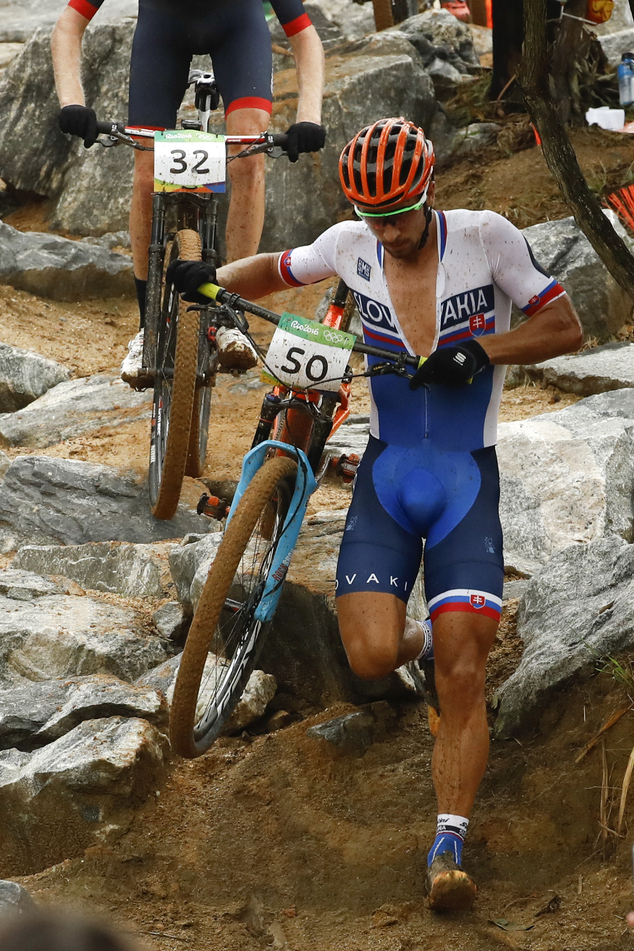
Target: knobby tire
[[175, 399], [258, 519]]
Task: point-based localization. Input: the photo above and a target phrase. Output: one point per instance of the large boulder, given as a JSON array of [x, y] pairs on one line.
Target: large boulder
[[50, 501], [566, 478], [35, 714], [54, 267], [116, 567], [73, 408], [18, 20], [77, 790], [610, 367], [25, 375], [576, 612], [63, 635], [564, 252]]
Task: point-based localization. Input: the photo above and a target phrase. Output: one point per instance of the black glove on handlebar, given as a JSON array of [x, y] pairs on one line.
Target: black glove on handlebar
[[304, 137], [451, 366], [187, 276], [81, 121]]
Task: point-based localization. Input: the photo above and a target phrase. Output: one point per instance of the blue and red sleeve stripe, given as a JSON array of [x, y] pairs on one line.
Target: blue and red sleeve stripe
[[551, 293], [86, 9]]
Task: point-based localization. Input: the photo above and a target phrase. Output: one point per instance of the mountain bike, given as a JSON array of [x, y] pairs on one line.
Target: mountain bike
[[180, 356], [308, 363]]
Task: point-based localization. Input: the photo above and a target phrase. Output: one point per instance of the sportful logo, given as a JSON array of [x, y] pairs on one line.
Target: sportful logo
[[461, 307], [363, 269], [375, 314]]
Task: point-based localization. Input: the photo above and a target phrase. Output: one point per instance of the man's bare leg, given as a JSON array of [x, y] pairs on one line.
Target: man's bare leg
[[245, 219], [372, 630]]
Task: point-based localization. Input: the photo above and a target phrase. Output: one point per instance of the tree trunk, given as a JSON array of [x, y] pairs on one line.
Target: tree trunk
[[559, 154], [383, 17], [564, 75]]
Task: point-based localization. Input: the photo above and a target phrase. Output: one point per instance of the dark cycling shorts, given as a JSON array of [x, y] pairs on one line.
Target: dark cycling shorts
[[234, 33], [450, 499]]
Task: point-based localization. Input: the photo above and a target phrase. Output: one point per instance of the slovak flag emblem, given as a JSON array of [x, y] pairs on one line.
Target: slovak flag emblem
[[534, 300], [287, 260], [477, 324], [477, 600]]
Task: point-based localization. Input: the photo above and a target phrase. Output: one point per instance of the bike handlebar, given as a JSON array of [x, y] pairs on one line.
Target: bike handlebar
[[224, 296], [264, 142]]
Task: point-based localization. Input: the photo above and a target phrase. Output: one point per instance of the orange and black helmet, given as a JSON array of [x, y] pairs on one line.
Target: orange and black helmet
[[387, 164]]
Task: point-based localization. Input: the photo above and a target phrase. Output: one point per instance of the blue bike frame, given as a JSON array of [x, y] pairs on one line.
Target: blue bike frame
[[305, 485]]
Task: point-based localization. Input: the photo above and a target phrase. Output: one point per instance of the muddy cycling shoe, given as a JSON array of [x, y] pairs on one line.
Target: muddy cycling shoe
[[234, 350], [132, 367], [449, 888]]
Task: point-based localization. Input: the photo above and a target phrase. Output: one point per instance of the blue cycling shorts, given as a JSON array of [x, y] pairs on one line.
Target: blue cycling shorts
[[233, 32], [448, 499]]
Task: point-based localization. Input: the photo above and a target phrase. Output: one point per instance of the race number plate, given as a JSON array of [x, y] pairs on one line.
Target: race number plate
[[186, 160], [304, 353]]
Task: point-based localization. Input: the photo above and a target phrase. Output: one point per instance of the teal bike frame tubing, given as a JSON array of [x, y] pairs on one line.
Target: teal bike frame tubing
[[305, 485]]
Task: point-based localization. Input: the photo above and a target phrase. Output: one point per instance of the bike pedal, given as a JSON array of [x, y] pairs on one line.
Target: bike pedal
[[346, 466], [212, 506]]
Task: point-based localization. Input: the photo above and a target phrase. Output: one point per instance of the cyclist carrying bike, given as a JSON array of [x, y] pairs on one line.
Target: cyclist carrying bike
[[168, 33], [439, 284]]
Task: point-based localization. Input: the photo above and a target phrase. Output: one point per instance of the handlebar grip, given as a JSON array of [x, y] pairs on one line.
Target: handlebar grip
[[281, 140], [107, 128]]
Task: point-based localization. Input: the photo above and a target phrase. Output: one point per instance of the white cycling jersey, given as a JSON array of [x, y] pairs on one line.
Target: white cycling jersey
[[485, 265]]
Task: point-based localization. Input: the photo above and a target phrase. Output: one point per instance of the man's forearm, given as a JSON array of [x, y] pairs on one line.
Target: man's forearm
[[252, 277], [66, 53], [554, 330], [309, 62]]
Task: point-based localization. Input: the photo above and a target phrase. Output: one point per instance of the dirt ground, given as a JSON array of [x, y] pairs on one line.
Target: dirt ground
[[276, 840]]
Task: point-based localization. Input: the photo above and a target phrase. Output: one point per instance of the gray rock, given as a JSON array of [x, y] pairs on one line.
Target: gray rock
[[19, 20], [77, 790], [193, 554], [576, 611], [91, 186], [439, 31], [354, 733], [354, 20], [171, 620], [71, 409], [352, 436], [48, 501], [25, 585], [8, 52], [38, 713], [161, 677], [329, 33], [25, 375], [615, 44], [61, 269], [15, 897], [563, 251], [382, 75], [566, 478], [116, 567], [258, 693], [610, 367], [60, 636]]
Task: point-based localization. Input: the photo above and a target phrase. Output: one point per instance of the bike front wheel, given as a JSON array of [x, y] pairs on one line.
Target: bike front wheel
[[225, 638], [174, 389]]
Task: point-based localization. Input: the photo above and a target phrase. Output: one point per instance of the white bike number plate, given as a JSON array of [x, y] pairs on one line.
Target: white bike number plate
[[186, 160], [304, 353]]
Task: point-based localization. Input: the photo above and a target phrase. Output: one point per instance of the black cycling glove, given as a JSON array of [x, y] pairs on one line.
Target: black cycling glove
[[304, 137], [81, 121], [451, 366], [187, 276]]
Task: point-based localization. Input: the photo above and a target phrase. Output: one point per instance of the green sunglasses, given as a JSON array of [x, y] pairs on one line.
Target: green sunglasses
[[388, 214]]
